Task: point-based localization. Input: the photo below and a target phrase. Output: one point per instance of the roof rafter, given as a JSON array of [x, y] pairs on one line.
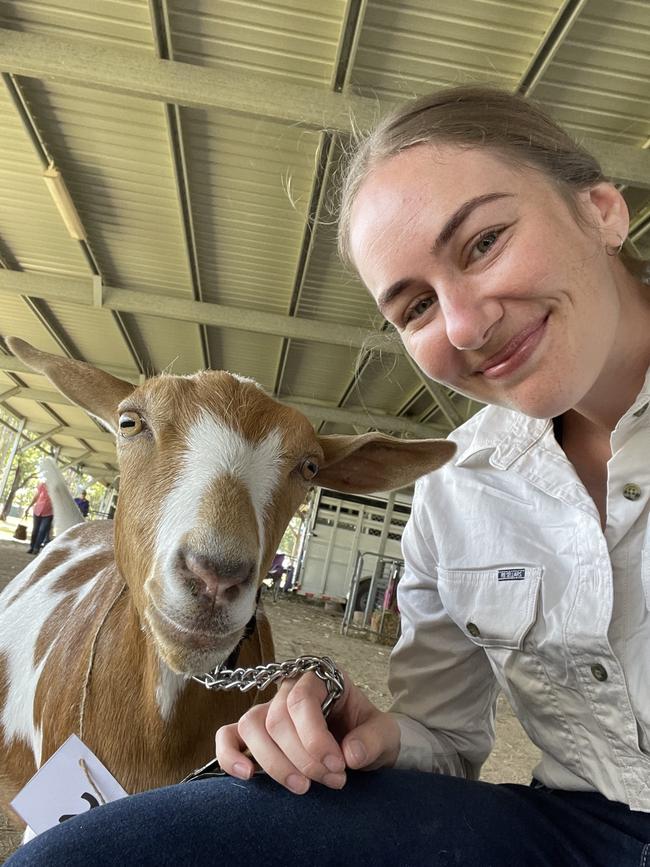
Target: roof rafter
[[159, 14], [316, 203], [548, 47], [368, 418], [136, 73], [79, 290], [43, 154]]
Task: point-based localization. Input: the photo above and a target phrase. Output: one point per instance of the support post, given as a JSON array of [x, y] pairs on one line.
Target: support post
[[12, 457]]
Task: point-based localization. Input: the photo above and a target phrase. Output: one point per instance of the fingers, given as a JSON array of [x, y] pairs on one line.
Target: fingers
[[229, 748], [288, 737], [296, 724], [373, 744], [232, 740], [303, 706]]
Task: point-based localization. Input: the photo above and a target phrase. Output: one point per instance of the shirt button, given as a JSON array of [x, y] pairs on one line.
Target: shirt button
[[599, 672], [631, 491], [473, 629], [641, 411]]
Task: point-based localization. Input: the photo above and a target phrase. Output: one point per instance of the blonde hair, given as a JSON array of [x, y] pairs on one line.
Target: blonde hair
[[475, 117]]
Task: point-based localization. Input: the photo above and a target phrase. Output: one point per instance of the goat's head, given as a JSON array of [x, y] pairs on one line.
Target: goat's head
[[212, 469]]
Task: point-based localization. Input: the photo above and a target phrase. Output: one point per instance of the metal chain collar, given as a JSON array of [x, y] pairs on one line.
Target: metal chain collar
[[262, 676]]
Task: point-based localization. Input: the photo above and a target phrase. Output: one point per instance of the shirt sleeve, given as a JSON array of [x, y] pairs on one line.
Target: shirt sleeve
[[442, 684]]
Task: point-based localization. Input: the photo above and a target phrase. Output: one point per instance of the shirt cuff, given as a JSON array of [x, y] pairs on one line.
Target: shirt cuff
[[424, 750]]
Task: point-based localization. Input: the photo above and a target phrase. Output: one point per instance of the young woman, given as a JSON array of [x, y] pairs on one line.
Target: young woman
[[493, 244]]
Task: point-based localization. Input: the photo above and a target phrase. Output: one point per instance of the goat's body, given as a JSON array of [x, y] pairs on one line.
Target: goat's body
[[92, 633], [74, 658]]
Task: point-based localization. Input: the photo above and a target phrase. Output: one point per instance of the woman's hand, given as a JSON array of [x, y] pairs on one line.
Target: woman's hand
[[291, 740]]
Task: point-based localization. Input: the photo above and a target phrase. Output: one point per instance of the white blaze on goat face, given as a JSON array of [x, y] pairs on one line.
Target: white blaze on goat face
[[213, 451]]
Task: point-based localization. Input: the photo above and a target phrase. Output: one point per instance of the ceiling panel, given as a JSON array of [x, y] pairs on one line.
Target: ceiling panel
[[201, 203]]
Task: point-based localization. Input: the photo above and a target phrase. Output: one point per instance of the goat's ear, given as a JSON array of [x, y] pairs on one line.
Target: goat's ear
[[377, 462], [95, 390]]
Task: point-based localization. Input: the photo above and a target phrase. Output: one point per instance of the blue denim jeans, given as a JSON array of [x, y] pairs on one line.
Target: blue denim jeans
[[380, 818], [40, 531]]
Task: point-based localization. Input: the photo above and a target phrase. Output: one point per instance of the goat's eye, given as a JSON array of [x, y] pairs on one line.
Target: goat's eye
[[308, 469], [130, 424]]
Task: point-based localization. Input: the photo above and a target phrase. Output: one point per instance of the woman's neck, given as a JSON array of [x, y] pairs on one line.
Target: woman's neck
[[622, 377]]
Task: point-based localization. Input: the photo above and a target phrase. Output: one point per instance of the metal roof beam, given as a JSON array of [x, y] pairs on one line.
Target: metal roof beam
[[316, 204], [366, 418], [78, 290], [438, 393], [640, 225], [561, 25], [136, 73], [45, 157], [159, 15], [79, 433], [41, 438]]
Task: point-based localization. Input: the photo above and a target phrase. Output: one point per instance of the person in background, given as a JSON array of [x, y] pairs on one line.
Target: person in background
[[82, 502], [42, 522]]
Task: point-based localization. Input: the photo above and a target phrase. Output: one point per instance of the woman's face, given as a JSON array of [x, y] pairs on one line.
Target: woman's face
[[495, 288]]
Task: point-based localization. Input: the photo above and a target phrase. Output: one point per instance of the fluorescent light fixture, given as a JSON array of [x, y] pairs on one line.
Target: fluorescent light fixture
[[65, 206]]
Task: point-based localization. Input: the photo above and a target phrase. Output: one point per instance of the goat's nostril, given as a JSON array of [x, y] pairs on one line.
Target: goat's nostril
[[209, 577]]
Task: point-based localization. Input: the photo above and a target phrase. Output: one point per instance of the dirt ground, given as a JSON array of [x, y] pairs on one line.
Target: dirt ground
[[303, 628]]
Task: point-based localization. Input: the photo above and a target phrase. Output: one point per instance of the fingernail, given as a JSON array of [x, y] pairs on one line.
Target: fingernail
[[335, 764], [297, 784], [334, 781], [241, 770], [358, 751]]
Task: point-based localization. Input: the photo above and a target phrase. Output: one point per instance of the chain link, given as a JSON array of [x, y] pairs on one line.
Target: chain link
[[262, 676]]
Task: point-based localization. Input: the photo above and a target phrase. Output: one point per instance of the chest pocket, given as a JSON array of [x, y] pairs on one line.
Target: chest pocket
[[494, 607]]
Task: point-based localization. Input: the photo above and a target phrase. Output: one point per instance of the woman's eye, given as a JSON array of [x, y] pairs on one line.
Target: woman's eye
[[484, 243], [419, 309], [130, 423]]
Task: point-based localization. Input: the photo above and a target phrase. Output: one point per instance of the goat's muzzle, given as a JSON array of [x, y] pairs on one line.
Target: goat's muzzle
[[213, 580]]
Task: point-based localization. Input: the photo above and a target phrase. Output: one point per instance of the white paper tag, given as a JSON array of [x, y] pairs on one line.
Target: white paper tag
[[71, 781]]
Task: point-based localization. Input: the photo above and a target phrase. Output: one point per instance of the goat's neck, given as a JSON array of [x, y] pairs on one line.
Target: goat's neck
[[145, 715]]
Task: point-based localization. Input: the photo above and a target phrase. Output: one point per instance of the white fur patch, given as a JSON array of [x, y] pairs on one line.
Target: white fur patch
[[247, 379], [212, 450], [170, 686], [20, 626]]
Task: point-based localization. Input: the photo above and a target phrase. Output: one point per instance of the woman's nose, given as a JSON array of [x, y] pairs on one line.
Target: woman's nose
[[469, 321]]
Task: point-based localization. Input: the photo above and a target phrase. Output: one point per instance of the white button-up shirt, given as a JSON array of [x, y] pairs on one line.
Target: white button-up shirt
[[510, 583]]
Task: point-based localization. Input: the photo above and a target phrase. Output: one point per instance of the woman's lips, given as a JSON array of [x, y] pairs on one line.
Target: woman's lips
[[515, 353]]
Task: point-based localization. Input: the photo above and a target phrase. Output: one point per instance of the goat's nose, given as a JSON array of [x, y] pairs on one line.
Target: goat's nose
[[213, 578]]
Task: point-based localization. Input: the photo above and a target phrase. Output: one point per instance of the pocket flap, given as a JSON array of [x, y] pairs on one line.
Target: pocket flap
[[494, 607]]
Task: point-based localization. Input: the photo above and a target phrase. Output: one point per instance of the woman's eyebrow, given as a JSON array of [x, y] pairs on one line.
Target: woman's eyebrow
[[388, 295], [460, 215], [444, 237]]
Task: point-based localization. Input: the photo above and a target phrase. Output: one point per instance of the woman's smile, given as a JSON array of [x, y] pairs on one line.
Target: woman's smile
[[516, 352]]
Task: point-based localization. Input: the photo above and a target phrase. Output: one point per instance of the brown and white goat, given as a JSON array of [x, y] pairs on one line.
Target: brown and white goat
[[99, 635]]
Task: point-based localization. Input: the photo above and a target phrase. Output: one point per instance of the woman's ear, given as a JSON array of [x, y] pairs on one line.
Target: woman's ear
[[609, 212]]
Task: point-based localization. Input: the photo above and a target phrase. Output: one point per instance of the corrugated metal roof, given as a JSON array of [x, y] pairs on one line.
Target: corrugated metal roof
[[409, 48], [295, 40], [233, 208]]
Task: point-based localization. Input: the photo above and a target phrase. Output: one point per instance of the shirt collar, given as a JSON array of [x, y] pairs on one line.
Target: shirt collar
[[508, 434]]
